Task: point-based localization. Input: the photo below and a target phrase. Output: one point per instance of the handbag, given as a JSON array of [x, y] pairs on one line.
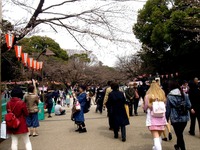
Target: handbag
[[12, 121], [3, 131], [140, 102], [127, 110], [77, 106]]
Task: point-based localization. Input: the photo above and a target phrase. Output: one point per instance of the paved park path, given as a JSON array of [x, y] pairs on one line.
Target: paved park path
[[57, 133]]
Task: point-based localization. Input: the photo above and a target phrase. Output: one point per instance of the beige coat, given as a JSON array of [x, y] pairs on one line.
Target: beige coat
[[108, 91], [31, 101]]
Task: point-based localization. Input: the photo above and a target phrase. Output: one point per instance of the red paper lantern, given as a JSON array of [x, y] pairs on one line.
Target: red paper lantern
[[25, 58], [41, 65], [30, 62], [38, 65], [9, 40], [18, 51], [34, 66], [167, 75]]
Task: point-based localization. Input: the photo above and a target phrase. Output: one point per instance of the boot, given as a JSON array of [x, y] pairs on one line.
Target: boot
[[83, 130], [79, 129]]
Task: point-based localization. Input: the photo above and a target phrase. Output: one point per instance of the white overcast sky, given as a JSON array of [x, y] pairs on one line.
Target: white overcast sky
[[106, 51]]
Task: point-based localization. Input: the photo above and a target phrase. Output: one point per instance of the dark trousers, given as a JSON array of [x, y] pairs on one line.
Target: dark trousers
[[179, 128], [62, 113], [55, 99], [130, 106], [135, 103], [123, 131], [49, 108], [80, 124], [193, 118], [99, 106], [110, 119]]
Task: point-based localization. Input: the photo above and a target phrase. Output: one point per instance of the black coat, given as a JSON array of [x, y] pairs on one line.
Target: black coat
[[116, 101], [49, 100], [194, 96]]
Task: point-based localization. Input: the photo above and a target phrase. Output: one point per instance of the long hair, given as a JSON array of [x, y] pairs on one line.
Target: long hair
[[155, 92], [174, 84]]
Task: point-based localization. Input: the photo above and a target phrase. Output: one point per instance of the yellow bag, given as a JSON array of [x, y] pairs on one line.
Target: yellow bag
[[127, 110]]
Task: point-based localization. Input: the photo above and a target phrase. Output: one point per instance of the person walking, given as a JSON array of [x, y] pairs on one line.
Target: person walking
[[19, 109], [105, 104], [178, 106], [117, 101], [49, 102], [194, 96], [130, 94], [99, 99], [79, 115], [136, 98], [32, 100], [154, 123], [55, 95]]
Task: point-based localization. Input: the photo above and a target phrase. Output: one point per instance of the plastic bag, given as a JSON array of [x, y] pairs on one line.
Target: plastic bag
[[3, 131]]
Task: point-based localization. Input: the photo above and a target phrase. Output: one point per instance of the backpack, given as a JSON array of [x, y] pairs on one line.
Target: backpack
[[12, 121], [181, 108], [159, 109], [87, 106]]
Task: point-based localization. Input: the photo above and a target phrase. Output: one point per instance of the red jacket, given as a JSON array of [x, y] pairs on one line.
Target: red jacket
[[21, 112]]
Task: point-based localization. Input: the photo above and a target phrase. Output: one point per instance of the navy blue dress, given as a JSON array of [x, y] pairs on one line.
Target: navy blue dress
[[79, 116]]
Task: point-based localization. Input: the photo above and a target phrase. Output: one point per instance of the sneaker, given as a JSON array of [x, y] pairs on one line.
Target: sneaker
[[170, 136]]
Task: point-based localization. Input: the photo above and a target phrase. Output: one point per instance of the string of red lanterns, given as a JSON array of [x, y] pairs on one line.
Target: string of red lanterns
[[26, 60]]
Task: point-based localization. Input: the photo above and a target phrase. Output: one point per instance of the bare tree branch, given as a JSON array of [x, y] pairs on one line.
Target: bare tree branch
[[56, 5]]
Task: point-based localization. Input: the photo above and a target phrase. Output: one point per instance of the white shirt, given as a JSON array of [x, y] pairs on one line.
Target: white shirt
[[57, 109]]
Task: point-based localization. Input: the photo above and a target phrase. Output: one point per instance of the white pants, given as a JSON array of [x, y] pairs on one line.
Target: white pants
[[16, 137], [93, 100]]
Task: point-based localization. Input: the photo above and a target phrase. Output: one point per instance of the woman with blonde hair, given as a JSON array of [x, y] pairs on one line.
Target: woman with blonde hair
[[155, 121]]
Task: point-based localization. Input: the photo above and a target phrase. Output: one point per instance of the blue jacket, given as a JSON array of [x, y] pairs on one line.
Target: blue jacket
[[173, 99], [79, 116]]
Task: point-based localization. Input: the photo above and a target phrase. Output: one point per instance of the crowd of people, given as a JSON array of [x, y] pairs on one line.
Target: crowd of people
[[181, 101]]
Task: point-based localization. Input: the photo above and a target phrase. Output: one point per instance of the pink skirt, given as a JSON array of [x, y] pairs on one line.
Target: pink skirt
[[156, 128]]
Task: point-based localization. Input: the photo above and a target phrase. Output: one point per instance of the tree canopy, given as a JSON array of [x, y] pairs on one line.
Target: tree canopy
[[170, 34], [37, 44]]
